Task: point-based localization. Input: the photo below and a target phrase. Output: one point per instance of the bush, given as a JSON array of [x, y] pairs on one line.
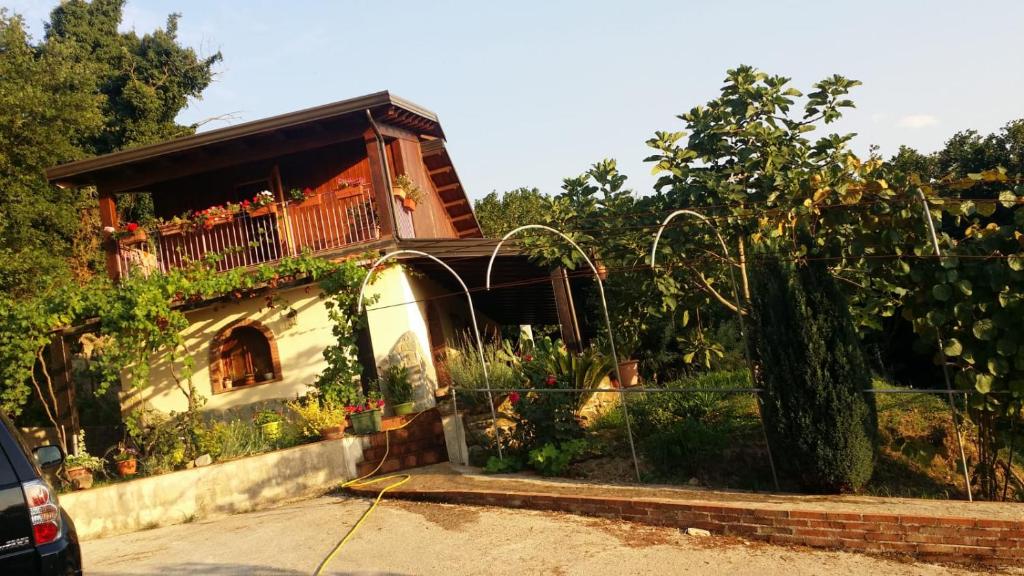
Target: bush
[[554, 460], [462, 363], [227, 440], [683, 447], [313, 415], [395, 383], [820, 421]]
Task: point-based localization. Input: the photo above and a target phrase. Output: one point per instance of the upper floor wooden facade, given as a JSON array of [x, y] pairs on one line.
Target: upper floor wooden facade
[[320, 180]]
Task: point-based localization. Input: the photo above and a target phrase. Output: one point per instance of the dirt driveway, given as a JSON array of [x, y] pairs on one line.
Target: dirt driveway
[[417, 538]]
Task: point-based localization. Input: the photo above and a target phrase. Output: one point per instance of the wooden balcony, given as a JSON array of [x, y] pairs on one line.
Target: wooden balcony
[[321, 223]]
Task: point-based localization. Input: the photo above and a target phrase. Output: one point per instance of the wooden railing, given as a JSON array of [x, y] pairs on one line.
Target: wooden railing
[[323, 222]]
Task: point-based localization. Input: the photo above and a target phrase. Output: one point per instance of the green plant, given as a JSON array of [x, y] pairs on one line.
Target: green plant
[[510, 463], [339, 381], [553, 460], [266, 416], [236, 438], [314, 415], [124, 453], [159, 438], [412, 190], [81, 457], [396, 384], [462, 364], [813, 375]]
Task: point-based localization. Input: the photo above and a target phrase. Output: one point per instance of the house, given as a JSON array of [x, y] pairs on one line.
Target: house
[[322, 181]]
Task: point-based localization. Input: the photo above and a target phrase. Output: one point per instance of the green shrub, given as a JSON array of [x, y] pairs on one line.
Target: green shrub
[[313, 415], [462, 364], [395, 383], [554, 460], [820, 422], [227, 440], [683, 447]]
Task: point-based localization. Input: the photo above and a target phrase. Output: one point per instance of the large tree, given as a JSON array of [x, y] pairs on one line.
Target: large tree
[[85, 89], [499, 214]]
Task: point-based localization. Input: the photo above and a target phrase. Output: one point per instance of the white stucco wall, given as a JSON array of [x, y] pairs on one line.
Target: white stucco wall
[[400, 329], [300, 343]]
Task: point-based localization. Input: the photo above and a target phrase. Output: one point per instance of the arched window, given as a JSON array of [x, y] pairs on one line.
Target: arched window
[[245, 354]]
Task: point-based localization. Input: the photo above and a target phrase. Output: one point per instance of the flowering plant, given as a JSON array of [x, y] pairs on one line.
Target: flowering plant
[[365, 404], [124, 453], [264, 198], [298, 196], [126, 230], [81, 458]]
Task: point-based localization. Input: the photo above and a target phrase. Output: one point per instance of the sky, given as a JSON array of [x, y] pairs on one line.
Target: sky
[[529, 93]]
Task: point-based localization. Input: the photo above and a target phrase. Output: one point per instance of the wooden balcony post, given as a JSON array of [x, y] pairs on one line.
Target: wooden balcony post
[[380, 181], [108, 217]]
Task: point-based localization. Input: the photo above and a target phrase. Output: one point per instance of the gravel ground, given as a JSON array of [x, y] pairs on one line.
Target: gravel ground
[[420, 538]]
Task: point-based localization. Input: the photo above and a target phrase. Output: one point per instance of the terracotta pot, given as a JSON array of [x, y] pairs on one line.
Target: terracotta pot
[[80, 477], [127, 467], [409, 204], [263, 211], [137, 237], [602, 271], [250, 379], [333, 432], [629, 372], [169, 229]]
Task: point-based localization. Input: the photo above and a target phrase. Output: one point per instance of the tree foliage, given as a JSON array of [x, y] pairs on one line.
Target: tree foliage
[[498, 215], [85, 89]]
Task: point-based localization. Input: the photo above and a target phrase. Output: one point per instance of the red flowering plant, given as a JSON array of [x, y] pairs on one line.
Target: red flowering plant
[[126, 230], [367, 403]]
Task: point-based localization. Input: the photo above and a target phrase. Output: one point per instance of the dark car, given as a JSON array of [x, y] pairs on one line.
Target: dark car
[[36, 534]]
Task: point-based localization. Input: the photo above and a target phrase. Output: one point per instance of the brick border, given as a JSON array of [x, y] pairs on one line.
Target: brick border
[[217, 345], [934, 538]]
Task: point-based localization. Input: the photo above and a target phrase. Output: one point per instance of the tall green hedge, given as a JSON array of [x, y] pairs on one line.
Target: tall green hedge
[[821, 425]]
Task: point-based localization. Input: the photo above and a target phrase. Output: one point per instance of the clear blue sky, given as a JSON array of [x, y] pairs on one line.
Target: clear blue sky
[[531, 92]]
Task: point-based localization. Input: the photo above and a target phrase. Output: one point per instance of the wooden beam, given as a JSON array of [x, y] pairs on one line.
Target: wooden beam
[[266, 147], [379, 179], [390, 131], [108, 217], [441, 170], [447, 187], [570, 328], [466, 216], [63, 386], [455, 203]]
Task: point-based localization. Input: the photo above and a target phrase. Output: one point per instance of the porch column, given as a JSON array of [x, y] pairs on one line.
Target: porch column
[[379, 179], [108, 217], [570, 328]]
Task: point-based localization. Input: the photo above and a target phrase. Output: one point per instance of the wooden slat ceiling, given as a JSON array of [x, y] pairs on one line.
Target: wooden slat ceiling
[[446, 182]]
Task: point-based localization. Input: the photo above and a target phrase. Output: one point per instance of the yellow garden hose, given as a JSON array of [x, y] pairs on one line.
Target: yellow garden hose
[[399, 479]]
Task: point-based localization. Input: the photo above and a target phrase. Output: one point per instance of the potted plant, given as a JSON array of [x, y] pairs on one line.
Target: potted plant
[[319, 417], [365, 416], [79, 467], [412, 193], [125, 460], [269, 422], [249, 378], [398, 389]]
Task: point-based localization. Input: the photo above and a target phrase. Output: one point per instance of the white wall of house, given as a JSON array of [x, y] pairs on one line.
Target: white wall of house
[[394, 330], [300, 342]]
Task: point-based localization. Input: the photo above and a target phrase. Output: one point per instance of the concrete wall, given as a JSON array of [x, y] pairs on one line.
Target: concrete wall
[[217, 490], [401, 331]]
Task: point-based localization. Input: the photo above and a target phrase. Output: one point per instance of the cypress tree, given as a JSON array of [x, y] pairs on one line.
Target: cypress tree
[[821, 425]]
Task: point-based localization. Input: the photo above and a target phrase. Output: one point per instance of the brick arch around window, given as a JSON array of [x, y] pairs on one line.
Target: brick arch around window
[[248, 341]]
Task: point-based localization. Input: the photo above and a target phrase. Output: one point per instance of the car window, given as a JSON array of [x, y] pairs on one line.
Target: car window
[[5, 464], [7, 476]]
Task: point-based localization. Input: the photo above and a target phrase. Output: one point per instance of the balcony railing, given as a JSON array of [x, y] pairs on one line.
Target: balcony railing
[[323, 222]]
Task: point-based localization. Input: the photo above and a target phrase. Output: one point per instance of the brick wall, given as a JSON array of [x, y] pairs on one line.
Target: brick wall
[[947, 539]]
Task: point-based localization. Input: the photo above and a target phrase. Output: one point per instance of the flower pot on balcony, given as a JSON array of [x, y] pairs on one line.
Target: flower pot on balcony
[[263, 211], [139, 236], [409, 204]]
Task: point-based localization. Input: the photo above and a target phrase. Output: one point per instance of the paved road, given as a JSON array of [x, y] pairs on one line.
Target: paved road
[[415, 538]]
